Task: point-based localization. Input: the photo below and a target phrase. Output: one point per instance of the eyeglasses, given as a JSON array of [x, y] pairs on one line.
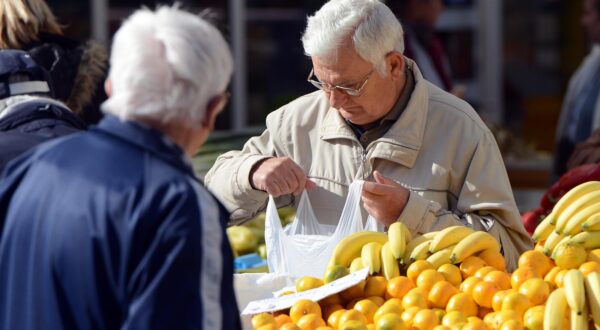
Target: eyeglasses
[[346, 90]]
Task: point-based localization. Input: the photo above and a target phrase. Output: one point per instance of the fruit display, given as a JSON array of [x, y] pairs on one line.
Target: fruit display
[[456, 278]]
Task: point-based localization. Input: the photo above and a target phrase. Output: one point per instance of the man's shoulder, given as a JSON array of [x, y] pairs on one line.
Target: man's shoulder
[[304, 108]]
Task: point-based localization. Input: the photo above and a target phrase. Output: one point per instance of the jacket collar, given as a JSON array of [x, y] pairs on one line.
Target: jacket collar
[[402, 142], [146, 138], [37, 108]]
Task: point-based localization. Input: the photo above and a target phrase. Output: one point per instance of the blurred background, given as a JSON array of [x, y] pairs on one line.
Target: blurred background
[[513, 57]]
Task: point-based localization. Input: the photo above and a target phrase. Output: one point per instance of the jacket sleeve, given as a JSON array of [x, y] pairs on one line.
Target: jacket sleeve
[[485, 202], [229, 178]]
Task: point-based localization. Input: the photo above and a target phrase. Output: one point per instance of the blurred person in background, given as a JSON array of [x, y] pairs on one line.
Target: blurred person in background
[[422, 44], [110, 228], [77, 69], [580, 114], [28, 113], [431, 161]]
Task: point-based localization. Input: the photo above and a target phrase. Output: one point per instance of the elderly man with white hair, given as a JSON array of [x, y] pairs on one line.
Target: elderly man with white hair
[[110, 229], [430, 160]]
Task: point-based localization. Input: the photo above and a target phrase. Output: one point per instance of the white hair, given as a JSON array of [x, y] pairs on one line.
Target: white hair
[[166, 65], [370, 24]]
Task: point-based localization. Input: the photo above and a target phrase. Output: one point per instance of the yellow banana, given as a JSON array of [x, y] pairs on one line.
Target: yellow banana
[[441, 257], [574, 207], [371, 256], [575, 290], [573, 225], [551, 242], [414, 243], [592, 288], [592, 223], [588, 239], [420, 252], [475, 242], [572, 195], [356, 265], [555, 311], [350, 247], [544, 229], [563, 241], [449, 236], [579, 320], [389, 264], [398, 236]]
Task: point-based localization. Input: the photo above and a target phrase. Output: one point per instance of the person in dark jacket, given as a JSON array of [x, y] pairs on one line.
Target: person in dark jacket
[[28, 113], [78, 69], [110, 228]]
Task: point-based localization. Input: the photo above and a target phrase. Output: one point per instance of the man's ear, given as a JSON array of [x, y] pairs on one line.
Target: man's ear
[[108, 87], [212, 111], [396, 61]]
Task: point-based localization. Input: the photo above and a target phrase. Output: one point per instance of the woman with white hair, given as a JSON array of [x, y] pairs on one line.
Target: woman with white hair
[[77, 69], [110, 228], [430, 161]]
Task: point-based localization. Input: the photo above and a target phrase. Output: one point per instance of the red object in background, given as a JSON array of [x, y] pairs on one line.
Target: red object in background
[[574, 177]]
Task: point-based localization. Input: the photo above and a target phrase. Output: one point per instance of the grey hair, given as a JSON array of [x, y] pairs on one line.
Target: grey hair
[[166, 65], [370, 24]]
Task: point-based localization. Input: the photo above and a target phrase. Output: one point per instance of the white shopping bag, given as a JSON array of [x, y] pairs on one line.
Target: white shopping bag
[[305, 246]]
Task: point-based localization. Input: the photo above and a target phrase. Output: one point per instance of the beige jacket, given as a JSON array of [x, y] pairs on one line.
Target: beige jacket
[[439, 149]]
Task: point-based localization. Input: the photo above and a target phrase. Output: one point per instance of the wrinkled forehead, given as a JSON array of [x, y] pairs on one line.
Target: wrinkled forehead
[[345, 66]]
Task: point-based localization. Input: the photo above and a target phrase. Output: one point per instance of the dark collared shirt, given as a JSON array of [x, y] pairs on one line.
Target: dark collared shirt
[[370, 133]]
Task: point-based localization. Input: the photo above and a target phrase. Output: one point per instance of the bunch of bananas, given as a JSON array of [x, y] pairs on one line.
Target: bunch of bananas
[[385, 254], [579, 297], [574, 220]]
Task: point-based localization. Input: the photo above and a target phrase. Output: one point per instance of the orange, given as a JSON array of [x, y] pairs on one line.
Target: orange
[[390, 321], [308, 282], [451, 273], [397, 287], [468, 284], [536, 290], [593, 255], [498, 297], [590, 267], [490, 319], [329, 309], [375, 286], [377, 300], [351, 303], [352, 315], [367, 308], [462, 302], [474, 323], [503, 316], [520, 275], [282, 319], [334, 319], [270, 326], [303, 307], [440, 313], [408, 316], [470, 265], [483, 292], [493, 258], [425, 319], [413, 271], [415, 297], [393, 306], [440, 293], [331, 300], [570, 256], [559, 278], [516, 302], [353, 325], [354, 292], [289, 326], [325, 328], [481, 272], [534, 318], [536, 260], [453, 318], [501, 279], [310, 322], [428, 278], [511, 325], [261, 319]]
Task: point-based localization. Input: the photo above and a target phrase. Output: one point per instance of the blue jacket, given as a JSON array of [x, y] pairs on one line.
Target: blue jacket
[[110, 229], [31, 123]]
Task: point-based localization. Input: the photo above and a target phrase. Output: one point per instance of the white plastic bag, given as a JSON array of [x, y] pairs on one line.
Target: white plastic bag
[[305, 247]]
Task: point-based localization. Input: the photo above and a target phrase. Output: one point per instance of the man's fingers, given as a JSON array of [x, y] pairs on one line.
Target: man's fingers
[[380, 178], [310, 184], [376, 188]]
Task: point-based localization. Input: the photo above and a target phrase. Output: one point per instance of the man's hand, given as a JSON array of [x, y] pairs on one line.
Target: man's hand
[[384, 199], [279, 176]]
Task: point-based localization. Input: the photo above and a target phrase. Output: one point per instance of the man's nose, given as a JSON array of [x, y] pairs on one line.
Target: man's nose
[[337, 98]]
